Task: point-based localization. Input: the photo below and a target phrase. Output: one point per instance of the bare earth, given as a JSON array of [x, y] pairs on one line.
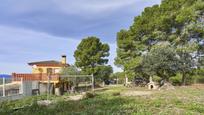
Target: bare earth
[[136, 93], [76, 97]]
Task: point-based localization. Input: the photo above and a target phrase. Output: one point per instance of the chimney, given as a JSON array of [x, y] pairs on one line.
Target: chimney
[[64, 59]]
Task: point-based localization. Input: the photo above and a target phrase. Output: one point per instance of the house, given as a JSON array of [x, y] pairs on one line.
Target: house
[[48, 67], [42, 70], [43, 73]]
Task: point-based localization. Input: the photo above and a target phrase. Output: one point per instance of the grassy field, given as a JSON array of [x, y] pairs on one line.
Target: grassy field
[[117, 100]]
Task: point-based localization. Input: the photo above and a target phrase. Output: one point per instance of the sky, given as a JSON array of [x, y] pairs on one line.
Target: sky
[[37, 30]]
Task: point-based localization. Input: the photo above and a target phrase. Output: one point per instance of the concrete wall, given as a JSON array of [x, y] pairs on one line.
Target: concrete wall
[[25, 90], [13, 97], [35, 84], [43, 88]]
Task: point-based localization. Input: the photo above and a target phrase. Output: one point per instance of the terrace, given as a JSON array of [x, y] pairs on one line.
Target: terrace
[[54, 78]]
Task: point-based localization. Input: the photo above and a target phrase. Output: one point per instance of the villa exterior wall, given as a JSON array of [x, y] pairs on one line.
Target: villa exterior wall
[[43, 70]]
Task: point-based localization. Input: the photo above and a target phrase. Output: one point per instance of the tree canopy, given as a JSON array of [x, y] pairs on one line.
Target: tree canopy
[[71, 70], [103, 72], [160, 61], [178, 23], [90, 54]]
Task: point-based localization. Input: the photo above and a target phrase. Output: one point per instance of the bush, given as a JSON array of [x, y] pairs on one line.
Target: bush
[[89, 95], [156, 79], [189, 80], [200, 79], [176, 80], [116, 94]]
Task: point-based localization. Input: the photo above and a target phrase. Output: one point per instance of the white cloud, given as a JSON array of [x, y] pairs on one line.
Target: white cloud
[[20, 46], [92, 6], [76, 7], [59, 17], [112, 56]]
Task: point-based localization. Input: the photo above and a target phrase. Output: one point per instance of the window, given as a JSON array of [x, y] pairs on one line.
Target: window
[[50, 71], [40, 70], [56, 70]]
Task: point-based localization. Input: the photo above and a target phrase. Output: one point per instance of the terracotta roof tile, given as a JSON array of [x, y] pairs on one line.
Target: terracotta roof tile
[[48, 63]]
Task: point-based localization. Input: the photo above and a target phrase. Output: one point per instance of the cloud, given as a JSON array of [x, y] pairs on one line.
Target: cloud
[[15, 41], [91, 6], [72, 18], [79, 7], [44, 29], [20, 46]]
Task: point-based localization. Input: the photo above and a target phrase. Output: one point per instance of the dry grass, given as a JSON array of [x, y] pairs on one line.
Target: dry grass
[[139, 101]]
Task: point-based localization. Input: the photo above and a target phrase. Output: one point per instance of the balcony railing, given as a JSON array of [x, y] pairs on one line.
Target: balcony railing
[[35, 77]]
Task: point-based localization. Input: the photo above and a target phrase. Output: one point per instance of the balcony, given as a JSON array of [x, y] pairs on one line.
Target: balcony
[[16, 77]]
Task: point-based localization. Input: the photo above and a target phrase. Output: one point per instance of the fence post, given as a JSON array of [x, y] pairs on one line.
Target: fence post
[[21, 91], [117, 80], [92, 76], [4, 91], [48, 93]]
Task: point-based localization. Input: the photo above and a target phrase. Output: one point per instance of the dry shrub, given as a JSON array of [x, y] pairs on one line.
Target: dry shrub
[[89, 95], [116, 94]]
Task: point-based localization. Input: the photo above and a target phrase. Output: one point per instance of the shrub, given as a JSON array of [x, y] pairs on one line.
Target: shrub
[[176, 80], [156, 79], [116, 94], [89, 95]]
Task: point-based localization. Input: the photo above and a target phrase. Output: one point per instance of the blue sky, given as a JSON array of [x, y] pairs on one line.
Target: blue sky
[[33, 30]]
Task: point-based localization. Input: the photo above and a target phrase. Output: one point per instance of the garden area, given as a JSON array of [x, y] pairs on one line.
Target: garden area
[[115, 100]]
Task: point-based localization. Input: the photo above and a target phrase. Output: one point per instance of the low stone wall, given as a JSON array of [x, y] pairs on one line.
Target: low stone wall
[[12, 97]]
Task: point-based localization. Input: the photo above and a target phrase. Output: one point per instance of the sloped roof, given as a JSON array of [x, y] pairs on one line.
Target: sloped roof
[[48, 63]]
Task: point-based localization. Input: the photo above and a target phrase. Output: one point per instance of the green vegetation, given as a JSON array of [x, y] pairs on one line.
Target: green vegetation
[[119, 76], [183, 100], [175, 23], [91, 53], [160, 61], [91, 57], [103, 72], [71, 70]]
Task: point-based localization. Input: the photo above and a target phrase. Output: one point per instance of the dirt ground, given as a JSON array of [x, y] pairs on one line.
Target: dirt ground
[[136, 93], [76, 97]]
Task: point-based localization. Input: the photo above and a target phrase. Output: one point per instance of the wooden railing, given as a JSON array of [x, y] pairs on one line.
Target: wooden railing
[[34, 77], [54, 77]]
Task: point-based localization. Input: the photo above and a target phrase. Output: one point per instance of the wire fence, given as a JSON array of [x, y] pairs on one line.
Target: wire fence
[[80, 83], [44, 83], [9, 88], [7, 80]]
